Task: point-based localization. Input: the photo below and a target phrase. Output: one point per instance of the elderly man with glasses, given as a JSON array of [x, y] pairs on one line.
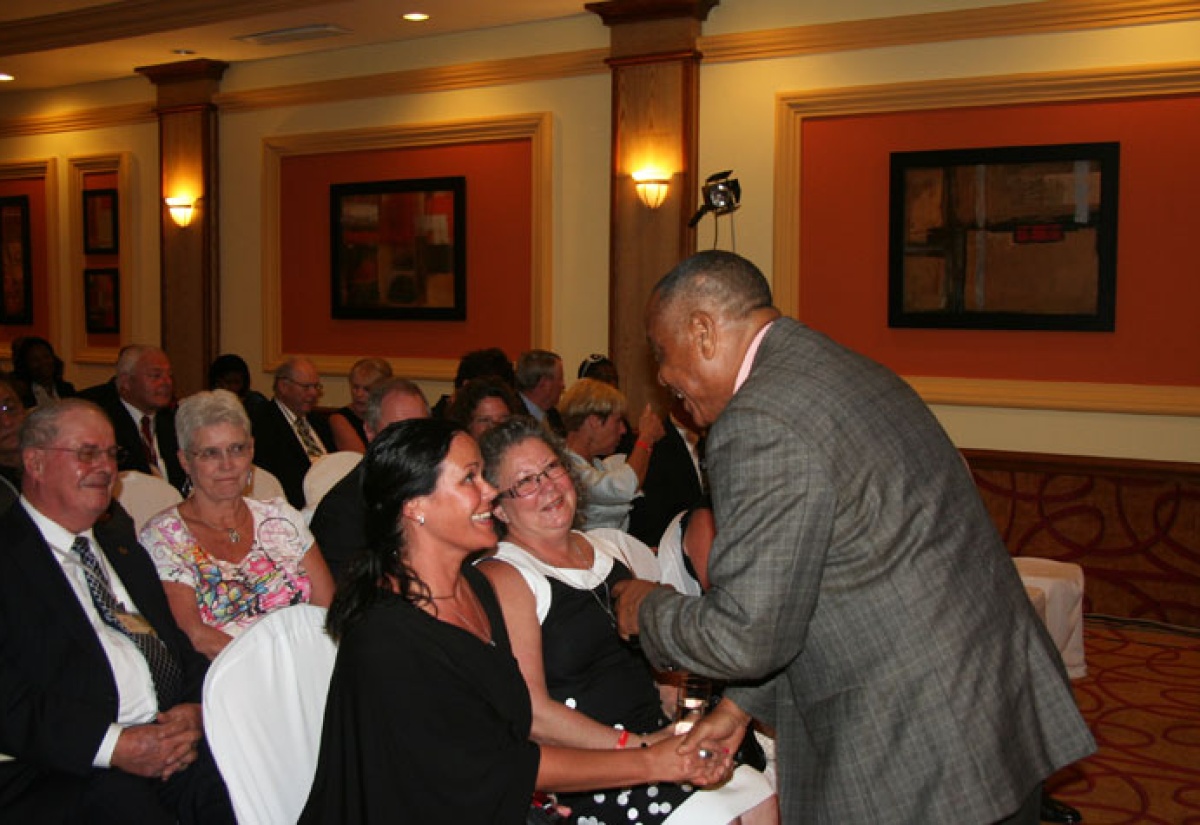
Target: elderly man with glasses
[[288, 435]]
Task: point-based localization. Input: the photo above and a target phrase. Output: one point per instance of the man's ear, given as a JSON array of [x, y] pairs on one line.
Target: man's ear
[[32, 461], [498, 512], [702, 332]]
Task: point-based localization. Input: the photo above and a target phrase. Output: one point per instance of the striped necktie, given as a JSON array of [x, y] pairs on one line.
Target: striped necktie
[[164, 670], [148, 444], [308, 438]]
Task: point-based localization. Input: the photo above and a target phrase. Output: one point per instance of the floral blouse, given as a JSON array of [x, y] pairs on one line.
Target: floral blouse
[[232, 596]]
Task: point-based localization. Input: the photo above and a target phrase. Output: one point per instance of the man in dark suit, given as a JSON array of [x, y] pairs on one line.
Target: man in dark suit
[[288, 436], [337, 523], [540, 382], [99, 689], [673, 482], [138, 402], [862, 602]]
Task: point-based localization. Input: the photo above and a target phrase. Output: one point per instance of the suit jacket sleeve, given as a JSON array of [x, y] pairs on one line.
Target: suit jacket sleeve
[[775, 508]]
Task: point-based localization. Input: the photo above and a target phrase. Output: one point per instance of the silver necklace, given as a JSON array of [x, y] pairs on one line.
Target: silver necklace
[[231, 532], [605, 603], [477, 626]]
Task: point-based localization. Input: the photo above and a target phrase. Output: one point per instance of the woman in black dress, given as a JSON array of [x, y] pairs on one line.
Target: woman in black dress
[[428, 717]]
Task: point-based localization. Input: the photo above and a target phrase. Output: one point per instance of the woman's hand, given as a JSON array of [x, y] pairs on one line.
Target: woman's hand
[[650, 426], [708, 764]]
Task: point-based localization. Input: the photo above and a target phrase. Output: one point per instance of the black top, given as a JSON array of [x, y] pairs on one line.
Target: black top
[[353, 420], [337, 524], [425, 723]]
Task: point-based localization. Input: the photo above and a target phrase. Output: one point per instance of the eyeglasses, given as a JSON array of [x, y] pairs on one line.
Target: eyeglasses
[[530, 484], [318, 386], [91, 454], [214, 454]]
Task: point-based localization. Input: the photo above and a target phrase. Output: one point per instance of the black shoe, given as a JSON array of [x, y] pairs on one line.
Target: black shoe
[[1055, 811]]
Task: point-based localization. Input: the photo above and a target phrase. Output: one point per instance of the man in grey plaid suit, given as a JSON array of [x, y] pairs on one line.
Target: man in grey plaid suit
[[862, 603]]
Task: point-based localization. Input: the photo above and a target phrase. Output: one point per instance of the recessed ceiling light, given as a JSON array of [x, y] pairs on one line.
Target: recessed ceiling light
[[416, 17], [183, 52], [6, 78]]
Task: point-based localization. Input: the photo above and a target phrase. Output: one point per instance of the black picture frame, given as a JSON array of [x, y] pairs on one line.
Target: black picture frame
[[102, 300], [101, 222], [16, 261], [1005, 238], [399, 249]]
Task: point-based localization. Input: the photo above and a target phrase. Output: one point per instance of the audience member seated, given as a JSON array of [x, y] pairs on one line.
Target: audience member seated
[[337, 523], [230, 372], [100, 689], [602, 368], [481, 363], [138, 403], [347, 422], [674, 478], [226, 560], [428, 718], [592, 413], [12, 413], [540, 382], [482, 403], [288, 435], [588, 687], [38, 372]]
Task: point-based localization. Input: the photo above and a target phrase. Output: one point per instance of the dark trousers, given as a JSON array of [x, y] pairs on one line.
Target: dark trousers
[[1030, 812], [196, 796]]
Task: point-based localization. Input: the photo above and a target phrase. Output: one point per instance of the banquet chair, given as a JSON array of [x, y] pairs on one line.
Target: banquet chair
[[326, 472], [143, 495], [264, 699], [263, 485], [1062, 584]]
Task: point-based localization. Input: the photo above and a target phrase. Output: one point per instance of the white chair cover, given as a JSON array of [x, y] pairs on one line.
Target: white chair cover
[[263, 485], [1062, 583], [264, 700], [326, 472], [143, 495], [670, 559]]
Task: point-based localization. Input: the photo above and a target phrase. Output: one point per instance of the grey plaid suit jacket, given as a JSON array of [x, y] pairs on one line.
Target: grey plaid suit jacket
[[864, 604]]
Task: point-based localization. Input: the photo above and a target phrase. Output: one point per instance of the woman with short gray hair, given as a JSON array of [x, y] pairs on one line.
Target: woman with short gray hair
[[226, 560]]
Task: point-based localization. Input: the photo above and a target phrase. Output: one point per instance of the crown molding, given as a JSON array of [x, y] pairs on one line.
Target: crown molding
[[418, 81], [125, 115], [1053, 395], [967, 24]]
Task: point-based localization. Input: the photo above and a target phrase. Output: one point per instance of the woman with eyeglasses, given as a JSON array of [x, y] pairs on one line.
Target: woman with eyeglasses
[[589, 688], [227, 560]]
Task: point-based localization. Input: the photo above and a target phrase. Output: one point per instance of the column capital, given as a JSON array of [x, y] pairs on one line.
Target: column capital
[[617, 12]]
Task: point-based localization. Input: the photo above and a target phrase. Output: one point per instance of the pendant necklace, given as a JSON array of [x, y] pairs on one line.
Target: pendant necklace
[[477, 626], [605, 603], [231, 532]]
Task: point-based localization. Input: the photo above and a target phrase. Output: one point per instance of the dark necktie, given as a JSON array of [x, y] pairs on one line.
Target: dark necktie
[[148, 444], [308, 438], [164, 670]]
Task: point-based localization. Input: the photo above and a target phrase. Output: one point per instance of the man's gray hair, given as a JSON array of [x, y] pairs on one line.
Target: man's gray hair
[[204, 409], [127, 359], [393, 386], [533, 366], [721, 280], [40, 427], [287, 369]]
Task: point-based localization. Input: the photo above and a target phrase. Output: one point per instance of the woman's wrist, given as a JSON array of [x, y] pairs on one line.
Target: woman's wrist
[[648, 446]]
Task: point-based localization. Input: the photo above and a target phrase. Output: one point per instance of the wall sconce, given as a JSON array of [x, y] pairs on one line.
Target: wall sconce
[[181, 209], [652, 187]]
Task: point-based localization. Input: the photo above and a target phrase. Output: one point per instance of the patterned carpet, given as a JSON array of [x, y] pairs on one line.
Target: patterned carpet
[[1141, 698]]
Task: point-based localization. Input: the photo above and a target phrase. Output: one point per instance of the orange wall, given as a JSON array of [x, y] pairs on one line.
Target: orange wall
[[844, 241], [35, 188], [499, 252]]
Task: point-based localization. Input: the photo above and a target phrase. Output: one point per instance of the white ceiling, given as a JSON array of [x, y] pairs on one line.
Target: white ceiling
[[48, 43]]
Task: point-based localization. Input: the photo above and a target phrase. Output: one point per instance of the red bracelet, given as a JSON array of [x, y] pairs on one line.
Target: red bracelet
[[623, 739], [646, 445]]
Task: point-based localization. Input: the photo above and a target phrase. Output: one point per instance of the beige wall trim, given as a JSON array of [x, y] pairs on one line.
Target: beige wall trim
[[1074, 397], [126, 115], [536, 127], [793, 108], [417, 81], [75, 332], [966, 24], [45, 169]]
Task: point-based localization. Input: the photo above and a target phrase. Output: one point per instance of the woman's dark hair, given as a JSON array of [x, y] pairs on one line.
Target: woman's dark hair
[[495, 444], [223, 365], [21, 349], [402, 463], [462, 408]]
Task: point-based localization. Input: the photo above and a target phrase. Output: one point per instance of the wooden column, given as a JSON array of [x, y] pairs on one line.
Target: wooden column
[[655, 92], [187, 128]]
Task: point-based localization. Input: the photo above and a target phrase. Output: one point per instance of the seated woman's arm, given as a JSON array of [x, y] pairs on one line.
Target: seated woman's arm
[[345, 437], [319, 575], [567, 769], [553, 722], [182, 600], [650, 430]]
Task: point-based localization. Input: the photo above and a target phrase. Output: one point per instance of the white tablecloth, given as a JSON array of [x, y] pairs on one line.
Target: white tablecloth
[[1062, 585]]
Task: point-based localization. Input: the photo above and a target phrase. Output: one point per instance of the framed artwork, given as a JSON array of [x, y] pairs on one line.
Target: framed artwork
[[1019, 237], [399, 249], [102, 300], [100, 230], [16, 264]]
